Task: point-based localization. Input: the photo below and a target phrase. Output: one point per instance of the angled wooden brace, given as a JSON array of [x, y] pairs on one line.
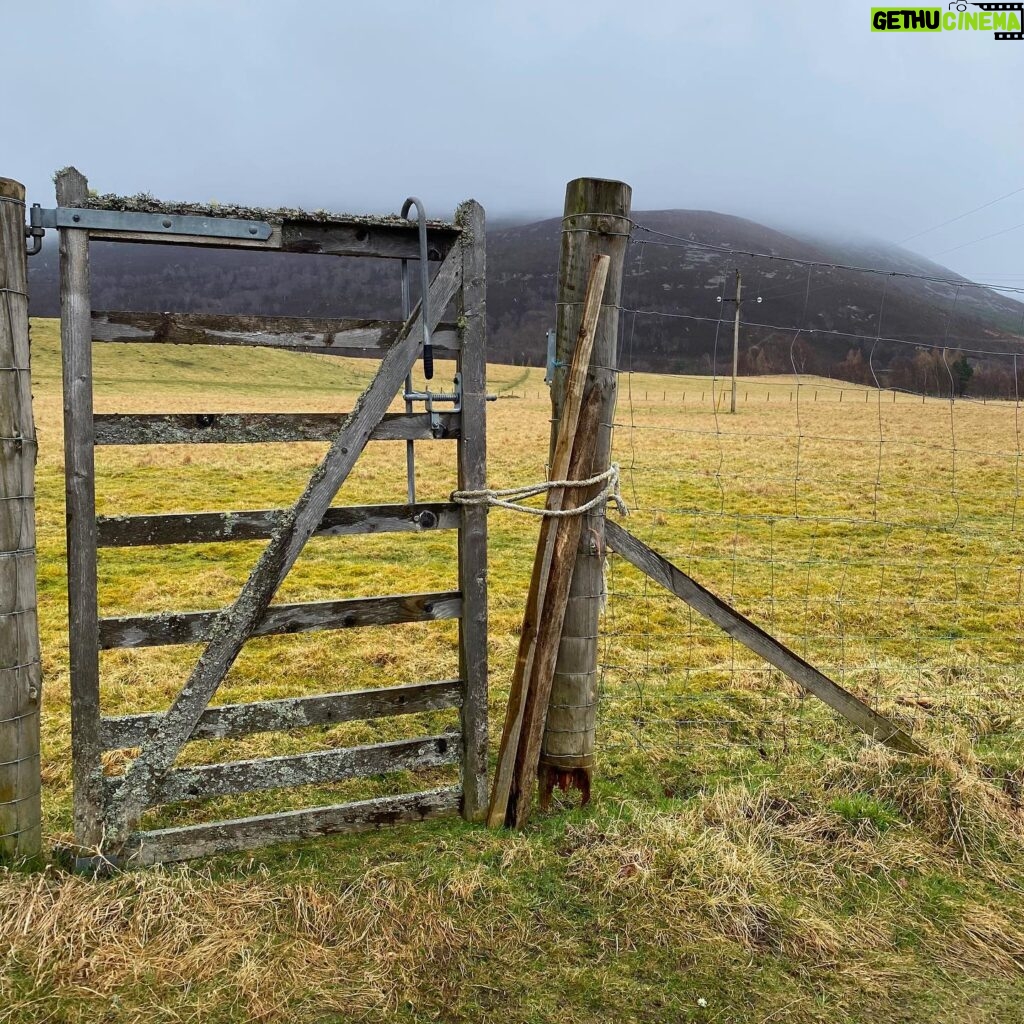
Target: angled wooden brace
[[236, 624], [701, 600]]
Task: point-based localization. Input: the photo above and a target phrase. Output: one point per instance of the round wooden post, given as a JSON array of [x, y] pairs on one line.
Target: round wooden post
[[20, 672], [596, 221]]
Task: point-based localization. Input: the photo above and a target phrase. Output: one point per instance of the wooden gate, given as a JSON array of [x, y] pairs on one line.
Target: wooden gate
[[108, 809]]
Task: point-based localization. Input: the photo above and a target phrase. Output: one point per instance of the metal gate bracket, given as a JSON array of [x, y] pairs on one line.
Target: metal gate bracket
[[147, 223]]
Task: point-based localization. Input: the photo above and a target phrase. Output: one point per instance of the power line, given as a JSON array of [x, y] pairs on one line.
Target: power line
[[995, 234], [822, 331], [683, 243], [953, 220]]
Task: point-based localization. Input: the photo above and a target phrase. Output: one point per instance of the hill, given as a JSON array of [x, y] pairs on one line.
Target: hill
[[871, 328]]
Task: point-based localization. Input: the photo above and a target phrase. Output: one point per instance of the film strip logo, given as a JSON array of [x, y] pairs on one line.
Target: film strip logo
[[1018, 8]]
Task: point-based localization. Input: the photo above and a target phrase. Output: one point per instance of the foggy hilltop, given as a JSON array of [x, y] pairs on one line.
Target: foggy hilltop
[[869, 328]]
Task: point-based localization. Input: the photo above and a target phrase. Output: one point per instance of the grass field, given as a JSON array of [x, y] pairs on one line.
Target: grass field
[[747, 857]]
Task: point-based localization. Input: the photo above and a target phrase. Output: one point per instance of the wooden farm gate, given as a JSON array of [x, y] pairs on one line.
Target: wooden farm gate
[[108, 810]]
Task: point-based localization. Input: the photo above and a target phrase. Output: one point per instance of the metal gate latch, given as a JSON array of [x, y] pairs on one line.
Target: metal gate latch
[[430, 397]]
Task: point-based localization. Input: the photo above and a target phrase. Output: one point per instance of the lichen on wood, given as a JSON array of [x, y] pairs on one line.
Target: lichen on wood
[[143, 202]]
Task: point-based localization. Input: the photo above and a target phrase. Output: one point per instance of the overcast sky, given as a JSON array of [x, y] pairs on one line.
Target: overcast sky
[[792, 112]]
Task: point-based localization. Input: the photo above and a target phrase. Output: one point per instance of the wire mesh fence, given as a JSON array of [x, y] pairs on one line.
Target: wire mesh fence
[[863, 505]]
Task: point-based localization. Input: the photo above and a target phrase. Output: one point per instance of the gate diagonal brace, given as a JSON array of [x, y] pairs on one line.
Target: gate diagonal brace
[[702, 601], [142, 779]]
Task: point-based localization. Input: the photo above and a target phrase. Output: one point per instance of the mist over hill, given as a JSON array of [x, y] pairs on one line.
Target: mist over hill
[[874, 328]]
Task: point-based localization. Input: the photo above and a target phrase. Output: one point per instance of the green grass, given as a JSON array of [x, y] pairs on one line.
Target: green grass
[[746, 858]]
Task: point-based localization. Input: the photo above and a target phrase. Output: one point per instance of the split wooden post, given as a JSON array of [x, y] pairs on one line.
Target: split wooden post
[[596, 220], [20, 672], [563, 560], [559, 467]]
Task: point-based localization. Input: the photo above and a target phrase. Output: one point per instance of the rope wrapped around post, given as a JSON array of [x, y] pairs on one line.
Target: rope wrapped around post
[[511, 497]]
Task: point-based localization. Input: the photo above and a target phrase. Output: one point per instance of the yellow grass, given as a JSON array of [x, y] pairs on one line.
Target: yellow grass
[[745, 848]]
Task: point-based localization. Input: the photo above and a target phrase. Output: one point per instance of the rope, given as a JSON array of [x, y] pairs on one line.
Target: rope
[[511, 497]]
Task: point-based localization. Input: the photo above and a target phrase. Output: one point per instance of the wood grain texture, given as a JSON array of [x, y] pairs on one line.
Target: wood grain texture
[[260, 427], [169, 628], [472, 475], [234, 627], [673, 579], [318, 768], [20, 672], [232, 721], [549, 630], [320, 335], [596, 220], [80, 491], [176, 844], [519, 691], [259, 524]]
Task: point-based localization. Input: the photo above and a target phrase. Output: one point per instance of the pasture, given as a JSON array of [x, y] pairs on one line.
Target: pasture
[[747, 857]]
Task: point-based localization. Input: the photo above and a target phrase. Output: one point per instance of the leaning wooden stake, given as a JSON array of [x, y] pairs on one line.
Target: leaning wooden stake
[[596, 220], [854, 710], [503, 774], [20, 674], [563, 561]]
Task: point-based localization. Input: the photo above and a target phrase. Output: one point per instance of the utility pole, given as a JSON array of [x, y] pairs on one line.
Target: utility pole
[[736, 341]]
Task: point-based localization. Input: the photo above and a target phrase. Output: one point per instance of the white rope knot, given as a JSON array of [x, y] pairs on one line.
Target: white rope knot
[[512, 497]]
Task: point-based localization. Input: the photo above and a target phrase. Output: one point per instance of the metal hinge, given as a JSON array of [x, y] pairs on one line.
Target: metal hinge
[[130, 221]]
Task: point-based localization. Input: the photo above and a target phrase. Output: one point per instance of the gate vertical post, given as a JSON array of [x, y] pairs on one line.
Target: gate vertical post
[[596, 221], [20, 671], [472, 457], [80, 496]]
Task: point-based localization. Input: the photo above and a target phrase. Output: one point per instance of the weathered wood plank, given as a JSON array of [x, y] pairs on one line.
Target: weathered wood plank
[[199, 782], [472, 470], [259, 524], [235, 626], [293, 230], [320, 335], [80, 494], [260, 427], [20, 671], [231, 721], [662, 571], [176, 844], [201, 627], [384, 241], [504, 775]]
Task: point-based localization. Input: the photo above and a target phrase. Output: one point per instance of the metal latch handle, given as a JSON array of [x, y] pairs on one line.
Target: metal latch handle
[[421, 220]]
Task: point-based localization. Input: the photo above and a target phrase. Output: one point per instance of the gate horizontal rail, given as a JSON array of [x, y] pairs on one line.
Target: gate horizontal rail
[[170, 628], [262, 427], [259, 524]]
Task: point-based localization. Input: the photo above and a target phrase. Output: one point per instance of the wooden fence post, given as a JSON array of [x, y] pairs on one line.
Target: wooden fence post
[[472, 306], [20, 672], [596, 221]]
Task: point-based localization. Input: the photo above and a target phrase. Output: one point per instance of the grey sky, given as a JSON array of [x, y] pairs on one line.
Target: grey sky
[[791, 112]]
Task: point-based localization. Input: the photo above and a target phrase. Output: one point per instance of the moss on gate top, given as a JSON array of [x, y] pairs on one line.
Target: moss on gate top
[[143, 202]]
